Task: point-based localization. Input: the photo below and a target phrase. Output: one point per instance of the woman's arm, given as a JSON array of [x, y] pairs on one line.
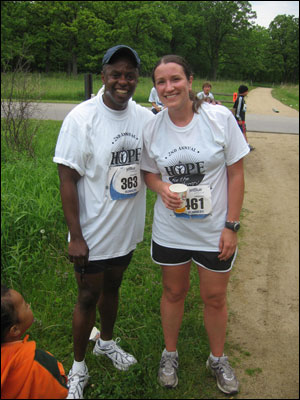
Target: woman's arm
[[235, 177]]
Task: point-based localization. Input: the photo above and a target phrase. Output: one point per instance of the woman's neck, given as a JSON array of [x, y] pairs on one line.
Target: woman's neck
[[182, 117]]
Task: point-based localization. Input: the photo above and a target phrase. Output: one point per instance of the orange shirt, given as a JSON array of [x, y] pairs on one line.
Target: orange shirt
[[28, 373]]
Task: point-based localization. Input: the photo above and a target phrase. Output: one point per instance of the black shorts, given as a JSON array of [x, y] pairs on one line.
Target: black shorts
[[206, 259], [94, 267]]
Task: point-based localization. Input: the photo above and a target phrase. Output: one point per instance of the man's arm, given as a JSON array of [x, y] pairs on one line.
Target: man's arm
[[78, 249]]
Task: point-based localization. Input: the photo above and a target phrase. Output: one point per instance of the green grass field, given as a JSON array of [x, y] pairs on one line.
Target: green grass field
[[34, 262], [59, 87]]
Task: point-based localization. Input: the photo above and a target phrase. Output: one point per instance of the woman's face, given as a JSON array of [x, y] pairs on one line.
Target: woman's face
[[172, 85]]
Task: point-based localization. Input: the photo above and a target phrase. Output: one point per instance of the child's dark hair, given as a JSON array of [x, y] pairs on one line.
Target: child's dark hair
[[243, 89], [172, 58], [9, 316]]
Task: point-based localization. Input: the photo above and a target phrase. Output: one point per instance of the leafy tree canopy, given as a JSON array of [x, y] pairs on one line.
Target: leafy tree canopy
[[218, 38]]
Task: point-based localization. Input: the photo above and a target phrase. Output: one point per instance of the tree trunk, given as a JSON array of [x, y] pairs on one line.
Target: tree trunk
[[74, 64]]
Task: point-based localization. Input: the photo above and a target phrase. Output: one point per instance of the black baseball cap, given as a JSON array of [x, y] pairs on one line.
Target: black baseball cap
[[122, 49]]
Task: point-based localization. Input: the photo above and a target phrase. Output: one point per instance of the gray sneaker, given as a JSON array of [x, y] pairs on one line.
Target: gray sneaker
[[167, 373], [226, 379], [120, 359]]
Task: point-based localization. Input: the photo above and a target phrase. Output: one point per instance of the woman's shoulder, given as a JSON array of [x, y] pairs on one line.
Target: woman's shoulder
[[214, 111]]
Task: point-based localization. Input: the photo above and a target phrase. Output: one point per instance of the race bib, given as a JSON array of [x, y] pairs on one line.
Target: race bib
[[124, 182], [198, 202]]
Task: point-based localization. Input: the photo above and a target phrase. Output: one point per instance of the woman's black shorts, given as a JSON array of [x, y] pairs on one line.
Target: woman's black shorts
[[206, 259]]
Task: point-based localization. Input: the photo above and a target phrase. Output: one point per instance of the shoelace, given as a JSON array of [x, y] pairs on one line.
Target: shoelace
[[76, 377], [225, 368], [168, 364], [115, 348]]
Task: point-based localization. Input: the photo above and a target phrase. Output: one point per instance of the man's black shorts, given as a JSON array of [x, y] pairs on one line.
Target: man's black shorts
[[94, 267]]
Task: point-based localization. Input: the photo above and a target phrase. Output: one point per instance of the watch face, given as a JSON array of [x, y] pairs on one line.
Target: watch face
[[234, 226], [237, 226]]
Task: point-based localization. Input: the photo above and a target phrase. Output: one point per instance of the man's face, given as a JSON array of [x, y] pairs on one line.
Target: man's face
[[120, 79]]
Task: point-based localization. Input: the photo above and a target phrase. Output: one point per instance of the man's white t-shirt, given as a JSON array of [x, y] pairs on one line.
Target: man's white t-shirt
[[202, 95], [195, 155], [153, 98], [105, 147]]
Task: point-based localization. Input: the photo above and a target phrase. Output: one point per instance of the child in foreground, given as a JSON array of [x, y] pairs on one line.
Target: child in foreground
[[26, 372]]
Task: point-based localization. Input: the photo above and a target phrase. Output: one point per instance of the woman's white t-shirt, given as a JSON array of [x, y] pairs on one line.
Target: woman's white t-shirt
[[196, 155], [105, 147]]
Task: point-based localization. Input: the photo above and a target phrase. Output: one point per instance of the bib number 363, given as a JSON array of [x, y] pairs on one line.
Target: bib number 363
[[124, 182]]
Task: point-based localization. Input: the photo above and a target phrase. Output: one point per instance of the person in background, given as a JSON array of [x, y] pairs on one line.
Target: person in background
[[104, 200], [157, 105], [194, 143], [240, 108], [206, 94], [26, 372]]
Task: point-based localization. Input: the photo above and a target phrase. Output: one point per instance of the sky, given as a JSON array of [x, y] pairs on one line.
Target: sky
[[266, 11]]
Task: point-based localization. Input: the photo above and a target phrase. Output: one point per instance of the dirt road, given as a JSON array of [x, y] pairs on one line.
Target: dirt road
[[263, 293]]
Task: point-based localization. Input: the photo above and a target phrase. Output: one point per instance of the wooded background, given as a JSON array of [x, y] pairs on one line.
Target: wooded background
[[218, 38]]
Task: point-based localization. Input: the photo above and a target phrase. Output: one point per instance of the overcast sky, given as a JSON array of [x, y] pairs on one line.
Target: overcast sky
[[266, 11]]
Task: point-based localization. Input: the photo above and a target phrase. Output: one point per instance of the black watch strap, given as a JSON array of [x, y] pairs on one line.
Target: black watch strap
[[233, 225]]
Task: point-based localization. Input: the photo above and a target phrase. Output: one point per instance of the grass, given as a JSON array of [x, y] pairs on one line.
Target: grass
[[34, 262], [288, 95], [60, 87]]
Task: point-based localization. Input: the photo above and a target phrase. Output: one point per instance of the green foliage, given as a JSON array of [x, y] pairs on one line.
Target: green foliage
[[284, 31], [218, 38]]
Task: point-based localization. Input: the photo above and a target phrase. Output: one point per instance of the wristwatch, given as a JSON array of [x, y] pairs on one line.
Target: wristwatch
[[233, 225]]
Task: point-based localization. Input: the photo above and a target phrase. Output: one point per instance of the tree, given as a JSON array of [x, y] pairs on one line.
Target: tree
[[284, 32], [223, 20], [217, 38]]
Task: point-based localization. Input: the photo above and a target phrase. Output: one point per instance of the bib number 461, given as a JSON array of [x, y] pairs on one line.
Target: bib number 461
[[195, 203]]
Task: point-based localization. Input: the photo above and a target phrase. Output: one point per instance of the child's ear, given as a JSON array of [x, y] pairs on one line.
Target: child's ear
[[13, 333]]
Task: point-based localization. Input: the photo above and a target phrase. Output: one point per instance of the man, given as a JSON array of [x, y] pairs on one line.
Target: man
[[157, 105], [103, 197]]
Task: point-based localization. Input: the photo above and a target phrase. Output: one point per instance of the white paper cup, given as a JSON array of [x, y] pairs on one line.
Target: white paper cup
[[181, 190]]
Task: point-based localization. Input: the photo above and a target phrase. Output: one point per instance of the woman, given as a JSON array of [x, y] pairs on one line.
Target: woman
[[199, 145]]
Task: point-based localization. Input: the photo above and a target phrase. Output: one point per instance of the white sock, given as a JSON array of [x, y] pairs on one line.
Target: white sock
[[79, 366], [105, 343], [171, 353], [215, 358]]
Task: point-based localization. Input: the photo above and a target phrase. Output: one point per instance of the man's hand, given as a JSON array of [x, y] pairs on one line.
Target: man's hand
[[79, 252]]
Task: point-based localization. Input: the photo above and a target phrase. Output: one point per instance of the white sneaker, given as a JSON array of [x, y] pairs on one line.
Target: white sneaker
[[121, 360], [76, 383]]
